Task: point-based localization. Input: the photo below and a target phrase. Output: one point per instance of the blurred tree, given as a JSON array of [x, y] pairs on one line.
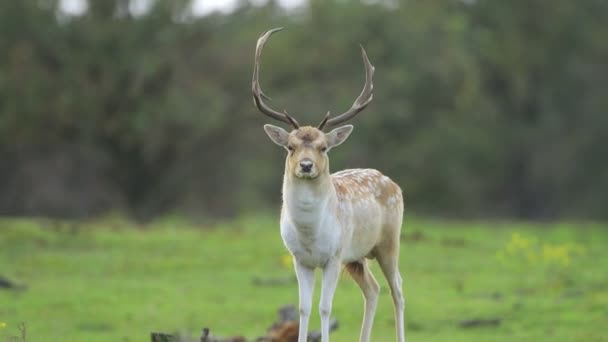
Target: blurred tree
[[482, 108]]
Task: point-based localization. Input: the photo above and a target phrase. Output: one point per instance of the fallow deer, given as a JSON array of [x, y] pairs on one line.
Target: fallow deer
[[330, 220]]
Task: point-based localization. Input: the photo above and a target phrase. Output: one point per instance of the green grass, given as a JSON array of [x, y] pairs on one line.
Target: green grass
[[112, 281]]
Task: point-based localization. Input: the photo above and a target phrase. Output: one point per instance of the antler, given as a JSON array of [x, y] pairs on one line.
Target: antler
[[258, 95], [360, 103]]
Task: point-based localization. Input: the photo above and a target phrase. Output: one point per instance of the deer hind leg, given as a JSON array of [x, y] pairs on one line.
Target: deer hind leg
[[363, 276], [388, 258]]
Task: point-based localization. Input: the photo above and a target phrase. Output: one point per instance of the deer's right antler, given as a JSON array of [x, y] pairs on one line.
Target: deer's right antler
[[360, 103], [258, 95]]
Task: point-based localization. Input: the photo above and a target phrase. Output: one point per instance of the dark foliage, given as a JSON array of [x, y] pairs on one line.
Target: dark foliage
[[482, 108]]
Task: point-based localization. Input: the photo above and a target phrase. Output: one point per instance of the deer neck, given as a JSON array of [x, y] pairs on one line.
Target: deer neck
[[307, 201]]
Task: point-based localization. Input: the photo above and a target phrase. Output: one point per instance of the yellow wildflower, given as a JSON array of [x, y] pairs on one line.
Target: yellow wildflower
[[519, 243], [286, 260], [2, 325], [556, 254]]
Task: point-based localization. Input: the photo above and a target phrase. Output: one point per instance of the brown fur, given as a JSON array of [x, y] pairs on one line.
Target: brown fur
[[355, 269], [308, 134], [286, 332], [367, 183]]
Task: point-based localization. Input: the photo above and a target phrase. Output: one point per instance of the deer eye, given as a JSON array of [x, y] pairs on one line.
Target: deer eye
[[290, 148], [323, 149]]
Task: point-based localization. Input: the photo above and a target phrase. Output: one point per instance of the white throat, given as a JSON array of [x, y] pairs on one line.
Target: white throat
[[306, 201]]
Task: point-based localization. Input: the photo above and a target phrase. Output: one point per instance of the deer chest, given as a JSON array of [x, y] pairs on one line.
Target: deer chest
[[312, 246]]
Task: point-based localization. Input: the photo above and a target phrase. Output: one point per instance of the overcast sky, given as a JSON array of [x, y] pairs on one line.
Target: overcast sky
[[201, 7]]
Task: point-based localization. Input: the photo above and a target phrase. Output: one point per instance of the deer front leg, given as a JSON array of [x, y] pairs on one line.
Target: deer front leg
[[331, 272], [306, 281]]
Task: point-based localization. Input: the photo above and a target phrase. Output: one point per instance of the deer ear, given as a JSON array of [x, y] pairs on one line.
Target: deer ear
[[338, 135], [278, 135]]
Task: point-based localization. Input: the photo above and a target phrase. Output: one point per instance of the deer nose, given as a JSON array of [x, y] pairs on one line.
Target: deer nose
[[306, 165]]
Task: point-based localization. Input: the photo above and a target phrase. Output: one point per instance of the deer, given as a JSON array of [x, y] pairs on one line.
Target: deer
[[335, 221]]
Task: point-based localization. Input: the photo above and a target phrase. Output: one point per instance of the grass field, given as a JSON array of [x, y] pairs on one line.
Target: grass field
[[114, 281]]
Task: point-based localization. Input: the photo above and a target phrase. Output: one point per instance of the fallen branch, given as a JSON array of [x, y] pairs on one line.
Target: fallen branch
[[285, 329], [6, 283], [162, 337]]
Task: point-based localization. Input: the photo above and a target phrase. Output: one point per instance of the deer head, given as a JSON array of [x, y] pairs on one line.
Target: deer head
[[308, 146]]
